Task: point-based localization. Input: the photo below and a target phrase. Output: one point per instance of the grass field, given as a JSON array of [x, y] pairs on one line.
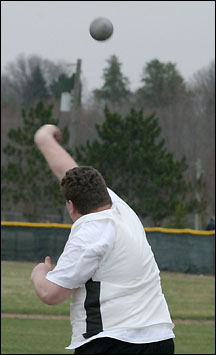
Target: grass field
[[190, 299]]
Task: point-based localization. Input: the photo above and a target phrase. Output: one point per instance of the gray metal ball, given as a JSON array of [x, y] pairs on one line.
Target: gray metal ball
[[101, 29]]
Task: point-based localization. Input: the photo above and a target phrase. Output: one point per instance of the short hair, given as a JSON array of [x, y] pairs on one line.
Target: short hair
[[86, 188]]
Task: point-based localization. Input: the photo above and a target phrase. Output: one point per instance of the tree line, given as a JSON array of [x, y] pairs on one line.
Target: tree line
[[155, 145]]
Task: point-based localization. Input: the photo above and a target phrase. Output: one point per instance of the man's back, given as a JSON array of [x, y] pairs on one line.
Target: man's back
[[124, 291]]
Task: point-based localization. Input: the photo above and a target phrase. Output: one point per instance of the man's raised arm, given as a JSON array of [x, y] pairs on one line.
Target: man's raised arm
[[47, 138]]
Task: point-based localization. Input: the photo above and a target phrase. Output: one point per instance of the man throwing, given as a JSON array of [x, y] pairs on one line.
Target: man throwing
[[107, 266]]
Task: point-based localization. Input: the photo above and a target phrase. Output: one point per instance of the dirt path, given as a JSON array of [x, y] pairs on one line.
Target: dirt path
[[41, 316]]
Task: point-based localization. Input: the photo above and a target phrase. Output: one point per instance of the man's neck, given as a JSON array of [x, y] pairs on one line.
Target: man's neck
[[102, 208], [76, 216]]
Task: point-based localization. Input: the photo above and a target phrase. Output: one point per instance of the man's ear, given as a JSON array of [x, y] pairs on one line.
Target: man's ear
[[70, 206]]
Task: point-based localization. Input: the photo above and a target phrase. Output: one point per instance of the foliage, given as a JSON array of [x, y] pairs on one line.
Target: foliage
[[162, 84], [135, 163], [35, 88], [201, 199], [26, 177], [115, 88], [63, 84], [203, 88], [178, 220], [28, 80], [186, 111]]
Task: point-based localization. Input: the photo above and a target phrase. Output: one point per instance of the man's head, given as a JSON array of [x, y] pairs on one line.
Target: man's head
[[86, 189]]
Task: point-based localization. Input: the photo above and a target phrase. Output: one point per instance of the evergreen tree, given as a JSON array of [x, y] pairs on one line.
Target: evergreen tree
[[63, 84], [28, 79], [115, 89], [162, 85], [26, 178], [35, 88], [135, 163]]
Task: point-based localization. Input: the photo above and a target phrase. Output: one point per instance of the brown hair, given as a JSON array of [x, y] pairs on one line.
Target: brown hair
[[86, 188]]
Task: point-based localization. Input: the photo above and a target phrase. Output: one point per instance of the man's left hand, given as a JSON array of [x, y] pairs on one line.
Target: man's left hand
[[43, 268]]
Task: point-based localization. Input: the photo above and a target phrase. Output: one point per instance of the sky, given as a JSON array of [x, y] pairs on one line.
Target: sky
[[181, 32]]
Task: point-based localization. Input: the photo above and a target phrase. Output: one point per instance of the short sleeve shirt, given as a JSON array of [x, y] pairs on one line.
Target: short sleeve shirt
[[85, 251]]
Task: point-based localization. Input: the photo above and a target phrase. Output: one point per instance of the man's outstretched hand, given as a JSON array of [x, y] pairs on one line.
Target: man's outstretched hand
[[46, 131], [47, 139]]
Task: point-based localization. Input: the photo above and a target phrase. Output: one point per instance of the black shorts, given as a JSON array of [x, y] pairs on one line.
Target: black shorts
[[114, 346]]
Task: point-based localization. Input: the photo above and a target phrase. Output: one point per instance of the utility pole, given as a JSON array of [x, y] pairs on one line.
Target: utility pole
[[75, 100], [75, 106]]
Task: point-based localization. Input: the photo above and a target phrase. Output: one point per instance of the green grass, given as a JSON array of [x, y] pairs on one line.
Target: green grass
[[194, 339], [18, 295], [35, 336], [188, 297], [40, 336]]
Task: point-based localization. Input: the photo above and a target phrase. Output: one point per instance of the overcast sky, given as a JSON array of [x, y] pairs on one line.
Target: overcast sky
[[181, 32]]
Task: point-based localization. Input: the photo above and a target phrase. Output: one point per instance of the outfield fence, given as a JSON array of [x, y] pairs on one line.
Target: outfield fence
[[178, 250]]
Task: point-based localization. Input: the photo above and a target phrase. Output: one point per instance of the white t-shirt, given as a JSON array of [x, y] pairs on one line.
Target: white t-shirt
[[88, 248]]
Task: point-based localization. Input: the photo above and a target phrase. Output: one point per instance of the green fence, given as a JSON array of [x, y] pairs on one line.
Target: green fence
[[179, 250]]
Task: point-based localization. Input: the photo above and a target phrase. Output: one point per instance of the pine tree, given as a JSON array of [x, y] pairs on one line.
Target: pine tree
[[35, 88], [135, 163], [27, 180], [162, 85], [115, 89], [63, 84]]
